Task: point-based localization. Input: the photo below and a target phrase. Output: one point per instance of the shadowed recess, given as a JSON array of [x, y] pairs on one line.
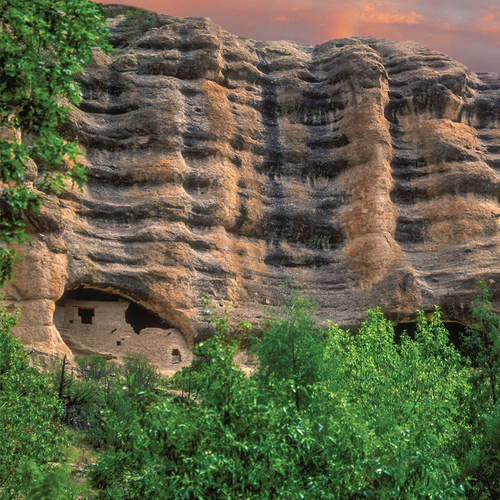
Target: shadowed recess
[[456, 330], [137, 316]]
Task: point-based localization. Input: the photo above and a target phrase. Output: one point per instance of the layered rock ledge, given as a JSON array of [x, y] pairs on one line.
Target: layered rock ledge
[[366, 169]]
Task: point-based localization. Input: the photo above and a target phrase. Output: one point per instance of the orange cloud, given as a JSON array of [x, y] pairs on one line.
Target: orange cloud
[[352, 20], [375, 12]]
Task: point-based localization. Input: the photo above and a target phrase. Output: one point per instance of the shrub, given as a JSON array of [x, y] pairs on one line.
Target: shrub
[[140, 375], [96, 368]]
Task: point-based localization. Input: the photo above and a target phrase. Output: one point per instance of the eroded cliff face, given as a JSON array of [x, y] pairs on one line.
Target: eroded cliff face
[[368, 169]]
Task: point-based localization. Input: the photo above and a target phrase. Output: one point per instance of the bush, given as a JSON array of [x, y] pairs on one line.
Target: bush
[[139, 374], [96, 368], [107, 398]]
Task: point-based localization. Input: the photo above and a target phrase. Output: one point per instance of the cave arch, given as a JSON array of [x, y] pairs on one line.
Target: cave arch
[[137, 316], [93, 321]]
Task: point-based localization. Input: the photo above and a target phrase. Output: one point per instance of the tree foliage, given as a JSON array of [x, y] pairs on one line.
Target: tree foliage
[[481, 445], [32, 439], [43, 44], [291, 346], [374, 419]]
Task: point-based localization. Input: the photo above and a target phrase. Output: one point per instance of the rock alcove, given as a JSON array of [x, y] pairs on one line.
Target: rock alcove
[[91, 321]]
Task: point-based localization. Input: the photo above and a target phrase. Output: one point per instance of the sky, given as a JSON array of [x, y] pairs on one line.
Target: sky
[[466, 30]]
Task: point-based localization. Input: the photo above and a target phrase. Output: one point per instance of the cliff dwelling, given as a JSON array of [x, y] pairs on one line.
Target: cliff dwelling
[[92, 322]]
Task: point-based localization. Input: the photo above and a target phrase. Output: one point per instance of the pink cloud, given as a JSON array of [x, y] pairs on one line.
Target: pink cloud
[[281, 19], [489, 22]]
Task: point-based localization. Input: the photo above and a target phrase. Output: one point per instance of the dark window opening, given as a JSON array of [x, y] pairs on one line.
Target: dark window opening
[[176, 356], [86, 314]]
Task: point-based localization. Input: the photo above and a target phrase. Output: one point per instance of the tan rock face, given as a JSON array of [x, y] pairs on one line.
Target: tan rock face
[[367, 169]]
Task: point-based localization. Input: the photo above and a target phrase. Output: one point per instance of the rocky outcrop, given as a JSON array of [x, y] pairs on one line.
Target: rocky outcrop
[[367, 169]]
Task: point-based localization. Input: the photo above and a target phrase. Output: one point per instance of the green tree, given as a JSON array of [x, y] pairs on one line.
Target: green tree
[[31, 438], [481, 344], [395, 411], [43, 44], [481, 445], [290, 348], [375, 419]]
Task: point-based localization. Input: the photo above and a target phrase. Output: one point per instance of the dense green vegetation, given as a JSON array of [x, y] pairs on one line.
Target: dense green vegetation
[[326, 414], [43, 44], [32, 438]]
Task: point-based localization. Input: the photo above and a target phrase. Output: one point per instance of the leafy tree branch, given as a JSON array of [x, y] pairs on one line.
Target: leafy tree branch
[[43, 44]]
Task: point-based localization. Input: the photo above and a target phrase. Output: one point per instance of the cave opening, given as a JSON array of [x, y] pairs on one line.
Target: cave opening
[[139, 317], [92, 321], [85, 300]]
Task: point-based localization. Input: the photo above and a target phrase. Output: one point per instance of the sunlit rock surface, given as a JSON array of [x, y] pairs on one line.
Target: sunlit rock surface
[[365, 168]]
